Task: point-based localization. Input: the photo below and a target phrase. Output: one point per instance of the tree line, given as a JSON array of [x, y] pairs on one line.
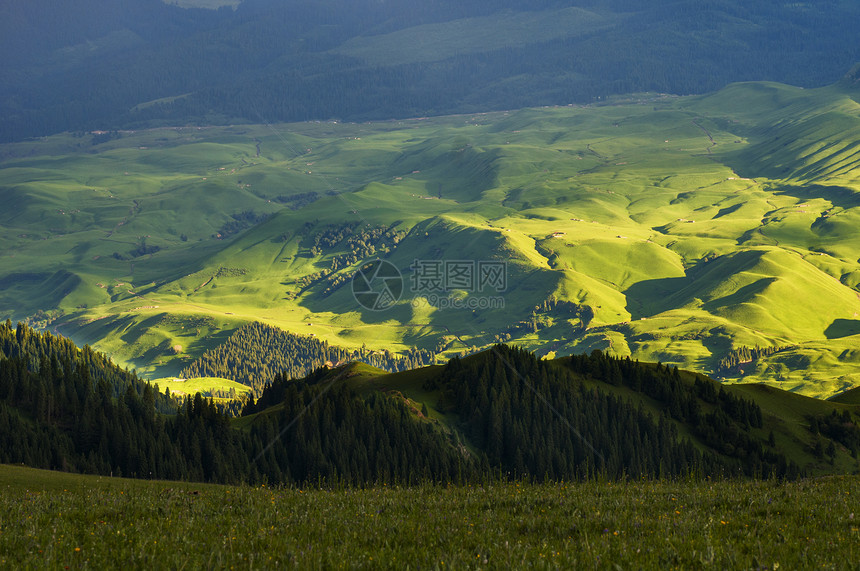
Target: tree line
[[67, 409], [736, 357], [516, 416], [532, 416]]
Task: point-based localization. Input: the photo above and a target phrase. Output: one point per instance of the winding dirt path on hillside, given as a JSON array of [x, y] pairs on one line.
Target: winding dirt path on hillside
[[708, 133]]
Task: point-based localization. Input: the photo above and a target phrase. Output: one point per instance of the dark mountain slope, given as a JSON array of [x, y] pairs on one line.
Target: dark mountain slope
[[106, 65], [581, 415], [78, 412], [501, 412]]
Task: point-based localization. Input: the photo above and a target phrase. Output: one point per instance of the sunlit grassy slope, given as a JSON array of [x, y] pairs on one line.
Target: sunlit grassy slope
[[689, 227], [212, 387]]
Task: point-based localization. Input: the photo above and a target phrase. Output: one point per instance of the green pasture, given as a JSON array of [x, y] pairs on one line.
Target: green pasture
[[206, 386], [689, 226], [62, 520]]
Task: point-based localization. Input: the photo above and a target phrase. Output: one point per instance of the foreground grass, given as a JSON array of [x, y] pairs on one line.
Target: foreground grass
[[100, 523]]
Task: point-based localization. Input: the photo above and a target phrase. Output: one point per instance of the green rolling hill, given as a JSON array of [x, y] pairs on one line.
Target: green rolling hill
[[851, 396], [210, 387], [672, 229]]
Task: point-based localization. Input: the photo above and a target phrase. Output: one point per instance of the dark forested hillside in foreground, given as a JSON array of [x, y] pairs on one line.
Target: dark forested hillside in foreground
[[533, 417], [66, 409], [106, 65], [498, 413], [36, 358]]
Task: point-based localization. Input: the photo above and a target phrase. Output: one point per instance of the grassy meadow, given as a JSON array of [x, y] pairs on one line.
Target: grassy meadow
[[689, 227], [53, 520]]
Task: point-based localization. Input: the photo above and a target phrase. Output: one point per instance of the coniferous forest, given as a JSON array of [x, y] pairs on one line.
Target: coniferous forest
[[514, 416], [534, 418], [68, 409]]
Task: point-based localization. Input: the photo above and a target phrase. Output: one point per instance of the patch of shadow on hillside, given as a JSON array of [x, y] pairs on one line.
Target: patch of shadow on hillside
[[454, 170], [838, 196], [138, 330], [728, 210], [756, 233], [40, 290], [149, 358], [29, 279], [742, 295], [842, 328], [719, 343], [650, 297], [15, 202]]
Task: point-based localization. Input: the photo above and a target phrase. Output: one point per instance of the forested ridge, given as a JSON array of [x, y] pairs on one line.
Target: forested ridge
[[507, 414], [336, 435], [44, 355], [147, 63], [531, 416], [78, 412]]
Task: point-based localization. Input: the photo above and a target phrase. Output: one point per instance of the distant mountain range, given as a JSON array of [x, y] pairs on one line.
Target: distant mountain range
[[118, 64]]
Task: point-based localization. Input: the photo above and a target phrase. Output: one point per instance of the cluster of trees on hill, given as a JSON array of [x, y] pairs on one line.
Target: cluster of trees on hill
[[544, 316], [531, 416], [720, 419], [353, 244], [241, 221], [256, 353], [838, 427], [742, 355], [299, 200], [272, 60]]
